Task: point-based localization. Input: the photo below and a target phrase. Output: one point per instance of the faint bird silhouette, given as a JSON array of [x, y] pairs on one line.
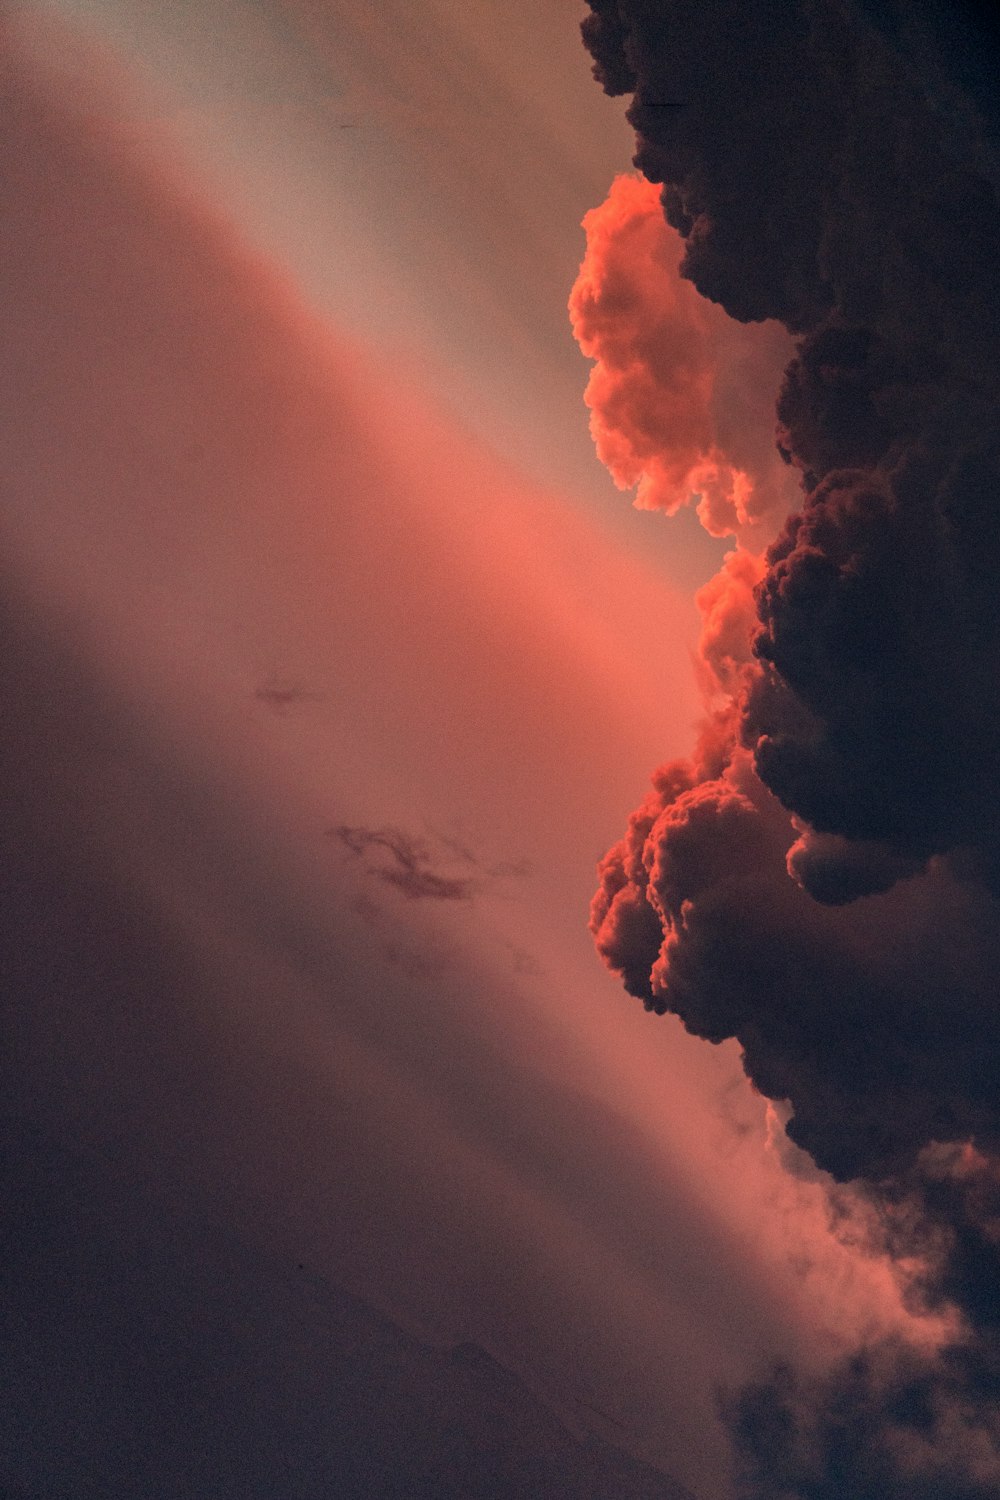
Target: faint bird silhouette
[[281, 697]]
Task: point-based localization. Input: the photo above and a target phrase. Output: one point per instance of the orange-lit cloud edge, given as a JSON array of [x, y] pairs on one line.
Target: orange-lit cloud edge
[[682, 412]]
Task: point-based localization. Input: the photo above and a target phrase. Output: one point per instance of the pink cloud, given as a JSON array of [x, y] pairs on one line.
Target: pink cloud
[[681, 395]]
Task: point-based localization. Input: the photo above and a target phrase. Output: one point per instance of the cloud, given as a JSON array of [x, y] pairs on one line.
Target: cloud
[[409, 868], [728, 608], [804, 143], [804, 1439], [865, 713], [821, 879], [680, 396], [697, 913], [893, 1420]]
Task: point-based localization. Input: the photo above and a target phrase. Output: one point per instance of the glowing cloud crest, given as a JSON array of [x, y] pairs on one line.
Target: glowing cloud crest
[[681, 396]]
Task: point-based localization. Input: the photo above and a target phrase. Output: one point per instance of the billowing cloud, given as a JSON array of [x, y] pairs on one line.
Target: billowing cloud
[[681, 397], [796, 147], [865, 713], [698, 914], [820, 880], [728, 608]]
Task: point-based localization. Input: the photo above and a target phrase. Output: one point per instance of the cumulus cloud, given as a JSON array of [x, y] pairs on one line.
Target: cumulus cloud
[[821, 879], [698, 915], [803, 141], [680, 396], [728, 609]]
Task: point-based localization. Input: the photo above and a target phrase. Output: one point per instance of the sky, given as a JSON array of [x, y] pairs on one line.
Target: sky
[[337, 342]]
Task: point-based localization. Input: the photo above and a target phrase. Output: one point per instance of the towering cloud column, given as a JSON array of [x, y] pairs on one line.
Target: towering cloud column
[[820, 880]]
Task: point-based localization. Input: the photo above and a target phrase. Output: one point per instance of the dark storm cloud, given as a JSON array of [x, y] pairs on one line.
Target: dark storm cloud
[[874, 717], [698, 915], [802, 1439], [818, 179], [732, 156], [821, 880], [878, 1022]]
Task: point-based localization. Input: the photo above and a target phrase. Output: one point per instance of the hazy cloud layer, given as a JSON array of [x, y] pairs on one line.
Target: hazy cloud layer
[[207, 493], [408, 865]]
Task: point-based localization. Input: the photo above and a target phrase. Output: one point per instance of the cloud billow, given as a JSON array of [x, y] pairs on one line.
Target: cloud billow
[[680, 395], [821, 879], [814, 183]]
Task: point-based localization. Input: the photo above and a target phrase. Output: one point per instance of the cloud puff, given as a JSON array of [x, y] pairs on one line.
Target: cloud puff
[[680, 396], [698, 915], [728, 609]]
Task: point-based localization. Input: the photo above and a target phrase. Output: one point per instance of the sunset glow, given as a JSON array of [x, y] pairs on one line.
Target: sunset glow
[[338, 672]]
